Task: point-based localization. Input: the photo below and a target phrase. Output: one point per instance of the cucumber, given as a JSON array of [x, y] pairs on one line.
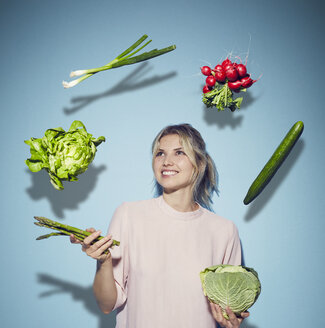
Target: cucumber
[[274, 162]]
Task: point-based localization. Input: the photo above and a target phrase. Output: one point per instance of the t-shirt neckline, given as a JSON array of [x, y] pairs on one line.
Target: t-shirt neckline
[[177, 214]]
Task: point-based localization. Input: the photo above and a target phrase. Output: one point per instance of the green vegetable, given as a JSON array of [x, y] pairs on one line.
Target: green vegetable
[[222, 97], [235, 286], [274, 162], [64, 155], [125, 58], [65, 230]]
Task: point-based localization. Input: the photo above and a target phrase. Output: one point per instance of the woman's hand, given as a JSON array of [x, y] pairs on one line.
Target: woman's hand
[[96, 250], [233, 321]]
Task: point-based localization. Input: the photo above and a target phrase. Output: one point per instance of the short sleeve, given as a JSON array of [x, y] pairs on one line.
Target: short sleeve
[[120, 259], [233, 254]]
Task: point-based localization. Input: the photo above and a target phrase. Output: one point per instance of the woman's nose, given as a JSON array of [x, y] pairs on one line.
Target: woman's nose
[[168, 160]]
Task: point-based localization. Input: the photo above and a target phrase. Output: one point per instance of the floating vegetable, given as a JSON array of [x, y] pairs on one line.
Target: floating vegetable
[[222, 81], [125, 58], [221, 97], [274, 162], [65, 230], [206, 70], [64, 155], [235, 286]]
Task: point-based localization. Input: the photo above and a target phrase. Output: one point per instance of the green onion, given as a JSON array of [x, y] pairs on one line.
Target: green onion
[[125, 58]]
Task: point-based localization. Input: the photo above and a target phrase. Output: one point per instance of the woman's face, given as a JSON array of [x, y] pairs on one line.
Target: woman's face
[[172, 168]]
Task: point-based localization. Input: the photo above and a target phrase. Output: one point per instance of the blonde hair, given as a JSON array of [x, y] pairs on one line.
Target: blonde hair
[[205, 176]]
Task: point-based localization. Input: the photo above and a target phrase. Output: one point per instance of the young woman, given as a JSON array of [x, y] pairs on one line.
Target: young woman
[[152, 278]]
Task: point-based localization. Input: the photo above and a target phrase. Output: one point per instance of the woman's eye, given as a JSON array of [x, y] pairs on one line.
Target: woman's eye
[[179, 152], [160, 153]]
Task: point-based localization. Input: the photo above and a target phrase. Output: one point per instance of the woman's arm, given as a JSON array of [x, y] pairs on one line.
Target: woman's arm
[[104, 284]]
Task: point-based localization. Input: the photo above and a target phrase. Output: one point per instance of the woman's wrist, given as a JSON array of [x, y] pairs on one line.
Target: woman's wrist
[[104, 262]]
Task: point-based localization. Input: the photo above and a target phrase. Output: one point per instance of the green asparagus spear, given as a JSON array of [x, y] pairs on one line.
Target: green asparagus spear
[[50, 235], [65, 230]]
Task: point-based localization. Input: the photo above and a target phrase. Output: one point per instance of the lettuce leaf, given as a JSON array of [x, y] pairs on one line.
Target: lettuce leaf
[[64, 155]]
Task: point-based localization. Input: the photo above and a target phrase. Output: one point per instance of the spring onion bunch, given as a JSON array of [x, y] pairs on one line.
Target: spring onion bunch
[[125, 58]]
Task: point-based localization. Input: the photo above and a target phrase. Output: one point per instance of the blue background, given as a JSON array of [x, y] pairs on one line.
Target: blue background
[[48, 283]]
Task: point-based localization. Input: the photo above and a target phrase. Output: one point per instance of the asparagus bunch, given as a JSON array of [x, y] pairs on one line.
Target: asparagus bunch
[[125, 58], [65, 230]]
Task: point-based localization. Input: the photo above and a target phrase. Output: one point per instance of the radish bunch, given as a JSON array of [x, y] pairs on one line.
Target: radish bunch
[[222, 81], [235, 75]]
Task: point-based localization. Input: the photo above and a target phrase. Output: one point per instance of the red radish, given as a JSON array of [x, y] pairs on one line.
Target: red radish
[[232, 74], [210, 81], [241, 69], [234, 85], [246, 82], [228, 66], [220, 76], [218, 68], [226, 62], [206, 89], [206, 70]]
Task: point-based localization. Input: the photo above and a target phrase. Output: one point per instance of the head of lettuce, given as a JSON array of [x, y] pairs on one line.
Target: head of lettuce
[[64, 155], [235, 286]]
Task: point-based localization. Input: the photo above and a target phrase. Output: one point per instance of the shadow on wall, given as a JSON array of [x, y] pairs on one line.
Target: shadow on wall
[[78, 293], [246, 324], [85, 295], [266, 195], [74, 192], [129, 83], [227, 118]]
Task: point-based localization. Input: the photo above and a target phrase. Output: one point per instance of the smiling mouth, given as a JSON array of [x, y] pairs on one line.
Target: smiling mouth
[[169, 173]]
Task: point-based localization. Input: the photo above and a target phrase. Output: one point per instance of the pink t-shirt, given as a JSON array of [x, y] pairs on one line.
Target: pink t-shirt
[[157, 265]]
